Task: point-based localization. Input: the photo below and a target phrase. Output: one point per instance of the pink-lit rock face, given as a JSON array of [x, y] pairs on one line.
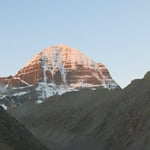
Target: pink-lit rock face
[[63, 65], [12, 82], [56, 70]]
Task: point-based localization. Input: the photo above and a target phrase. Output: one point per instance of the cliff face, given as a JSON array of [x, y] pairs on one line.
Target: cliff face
[[63, 65], [56, 70]]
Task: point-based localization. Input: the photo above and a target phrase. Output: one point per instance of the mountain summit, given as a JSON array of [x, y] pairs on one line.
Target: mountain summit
[[55, 70], [65, 66]]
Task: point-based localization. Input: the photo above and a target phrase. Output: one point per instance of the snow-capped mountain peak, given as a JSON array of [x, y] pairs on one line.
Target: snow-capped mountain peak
[[58, 69]]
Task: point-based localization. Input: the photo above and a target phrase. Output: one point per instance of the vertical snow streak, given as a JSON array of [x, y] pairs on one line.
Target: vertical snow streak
[[44, 66], [59, 64]]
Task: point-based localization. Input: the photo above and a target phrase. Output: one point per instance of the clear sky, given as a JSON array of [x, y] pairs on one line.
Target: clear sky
[[113, 32]]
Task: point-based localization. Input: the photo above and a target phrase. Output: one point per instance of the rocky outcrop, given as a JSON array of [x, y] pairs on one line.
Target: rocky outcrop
[[12, 82]]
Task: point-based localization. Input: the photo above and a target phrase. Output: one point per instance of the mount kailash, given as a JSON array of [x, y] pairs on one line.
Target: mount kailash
[[53, 71]]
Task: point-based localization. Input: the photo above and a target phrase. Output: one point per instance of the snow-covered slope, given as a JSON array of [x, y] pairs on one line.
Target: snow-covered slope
[[56, 70]]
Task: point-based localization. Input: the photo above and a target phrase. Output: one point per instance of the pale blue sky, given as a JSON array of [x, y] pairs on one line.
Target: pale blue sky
[[113, 32]]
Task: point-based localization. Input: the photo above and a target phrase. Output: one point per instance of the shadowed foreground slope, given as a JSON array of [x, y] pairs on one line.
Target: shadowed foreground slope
[[13, 136], [93, 120]]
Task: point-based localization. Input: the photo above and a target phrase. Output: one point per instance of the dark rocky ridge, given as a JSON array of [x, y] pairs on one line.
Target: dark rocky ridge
[[14, 136]]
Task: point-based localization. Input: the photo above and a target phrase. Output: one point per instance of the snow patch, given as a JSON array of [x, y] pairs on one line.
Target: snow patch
[[45, 90], [4, 106], [2, 96], [39, 101], [83, 85], [20, 93]]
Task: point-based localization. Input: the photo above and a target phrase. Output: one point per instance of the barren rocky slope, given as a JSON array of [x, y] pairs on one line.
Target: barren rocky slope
[[14, 136], [93, 120]]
